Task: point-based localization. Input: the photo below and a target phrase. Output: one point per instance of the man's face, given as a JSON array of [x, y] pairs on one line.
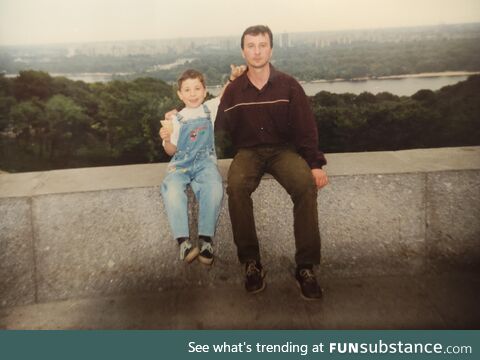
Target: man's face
[[257, 50]]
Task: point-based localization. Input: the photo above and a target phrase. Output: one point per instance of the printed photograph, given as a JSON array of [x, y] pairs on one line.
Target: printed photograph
[[254, 165]]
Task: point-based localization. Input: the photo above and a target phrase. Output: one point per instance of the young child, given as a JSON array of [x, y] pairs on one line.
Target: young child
[[194, 162]]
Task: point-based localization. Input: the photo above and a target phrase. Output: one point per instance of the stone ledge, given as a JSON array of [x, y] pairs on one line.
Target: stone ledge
[[146, 175], [103, 231]]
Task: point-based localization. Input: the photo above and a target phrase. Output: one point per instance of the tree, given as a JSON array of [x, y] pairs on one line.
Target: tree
[[30, 84], [365, 98], [27, 122], [128, 118], [67, 126], [425, 95], [6, 103]]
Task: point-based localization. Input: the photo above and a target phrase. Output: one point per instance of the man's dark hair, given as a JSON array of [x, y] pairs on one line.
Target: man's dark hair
[[256, 30]]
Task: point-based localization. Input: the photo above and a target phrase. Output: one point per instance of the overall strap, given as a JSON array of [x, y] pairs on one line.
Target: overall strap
[[207, 111], [179, 117]]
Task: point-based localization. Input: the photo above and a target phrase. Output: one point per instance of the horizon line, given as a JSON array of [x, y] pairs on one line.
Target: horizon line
[[64, 43]]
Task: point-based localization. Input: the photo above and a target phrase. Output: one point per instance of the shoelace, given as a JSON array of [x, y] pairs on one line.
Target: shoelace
[[206, 246], [184, 246], [252, 268], [307, 274]]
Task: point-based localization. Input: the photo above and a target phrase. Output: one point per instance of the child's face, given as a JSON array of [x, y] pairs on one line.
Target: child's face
[[192, 93]]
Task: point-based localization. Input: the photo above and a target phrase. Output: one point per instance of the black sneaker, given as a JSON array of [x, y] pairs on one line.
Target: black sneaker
[[188, 252], [254, 275], [206, 253], [308, 284]]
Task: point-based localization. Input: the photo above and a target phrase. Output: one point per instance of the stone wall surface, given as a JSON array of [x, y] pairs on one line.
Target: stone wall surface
[[101, 231]]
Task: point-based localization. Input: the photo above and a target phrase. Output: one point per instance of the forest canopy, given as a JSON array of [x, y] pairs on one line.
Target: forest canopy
[[53, 123]]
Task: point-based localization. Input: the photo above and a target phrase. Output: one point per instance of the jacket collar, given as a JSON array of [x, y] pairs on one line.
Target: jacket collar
[[271, 79]]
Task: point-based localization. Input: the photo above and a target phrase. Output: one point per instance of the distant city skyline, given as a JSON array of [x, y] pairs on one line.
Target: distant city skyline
[[35, 22]]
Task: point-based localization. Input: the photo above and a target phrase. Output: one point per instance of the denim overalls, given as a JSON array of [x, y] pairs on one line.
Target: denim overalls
[[194, 163]]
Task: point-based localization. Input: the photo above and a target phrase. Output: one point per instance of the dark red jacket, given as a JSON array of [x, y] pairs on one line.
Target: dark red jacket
[[280, 113]]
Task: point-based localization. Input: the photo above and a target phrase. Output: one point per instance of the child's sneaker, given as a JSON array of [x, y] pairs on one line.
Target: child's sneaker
[[188, 252], [206, 253]]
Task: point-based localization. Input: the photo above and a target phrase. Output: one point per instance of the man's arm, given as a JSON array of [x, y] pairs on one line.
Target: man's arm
[[306, 135], [222, 131], [305, 128], [235, 72]]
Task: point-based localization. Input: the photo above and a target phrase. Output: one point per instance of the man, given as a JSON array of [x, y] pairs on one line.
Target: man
[[267, 117]]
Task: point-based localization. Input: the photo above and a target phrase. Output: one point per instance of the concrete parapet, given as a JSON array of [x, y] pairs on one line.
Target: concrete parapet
[[103, 231]]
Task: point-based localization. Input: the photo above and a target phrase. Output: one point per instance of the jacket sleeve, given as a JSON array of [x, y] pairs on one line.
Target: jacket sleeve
[[305, 128]]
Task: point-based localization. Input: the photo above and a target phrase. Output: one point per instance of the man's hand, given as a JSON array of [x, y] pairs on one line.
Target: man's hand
[[320, 177], [236, 71]]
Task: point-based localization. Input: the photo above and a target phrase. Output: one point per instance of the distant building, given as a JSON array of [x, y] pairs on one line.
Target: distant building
[[284, 41]]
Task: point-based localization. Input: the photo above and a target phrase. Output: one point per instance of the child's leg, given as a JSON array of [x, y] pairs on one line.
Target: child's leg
[[176, 202], [208, 188]]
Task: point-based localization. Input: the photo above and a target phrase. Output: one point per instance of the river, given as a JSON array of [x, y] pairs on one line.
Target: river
[[401, 86], [404, 85]]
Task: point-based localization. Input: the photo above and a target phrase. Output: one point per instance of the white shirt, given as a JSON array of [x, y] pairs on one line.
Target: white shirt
[[194, 113]]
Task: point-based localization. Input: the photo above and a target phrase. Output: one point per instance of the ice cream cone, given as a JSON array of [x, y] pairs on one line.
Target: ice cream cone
[[167, 124]]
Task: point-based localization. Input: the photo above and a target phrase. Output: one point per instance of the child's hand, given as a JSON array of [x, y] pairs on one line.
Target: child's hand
[[236, 71], [166, 130], [165, 134]]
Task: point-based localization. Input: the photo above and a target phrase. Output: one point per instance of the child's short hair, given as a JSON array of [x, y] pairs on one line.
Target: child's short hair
[[190, 74]]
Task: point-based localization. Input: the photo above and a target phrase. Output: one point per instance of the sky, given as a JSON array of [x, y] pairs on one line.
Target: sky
[[32, 22]]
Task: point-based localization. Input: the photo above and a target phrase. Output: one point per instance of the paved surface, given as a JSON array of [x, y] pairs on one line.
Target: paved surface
[[434, 301]]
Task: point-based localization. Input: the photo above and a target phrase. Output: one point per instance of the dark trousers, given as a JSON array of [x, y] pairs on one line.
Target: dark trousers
[[293, 173]]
